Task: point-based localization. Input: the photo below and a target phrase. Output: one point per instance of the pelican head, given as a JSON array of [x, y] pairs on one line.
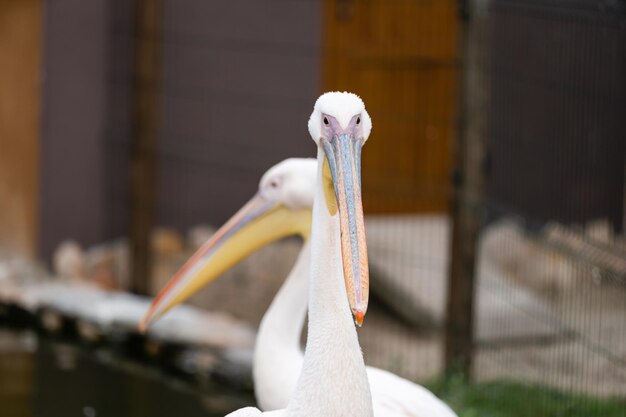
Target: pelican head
[[280, 208], [340, 126]]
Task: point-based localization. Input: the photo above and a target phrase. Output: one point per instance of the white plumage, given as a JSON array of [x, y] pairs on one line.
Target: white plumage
[[278, 356], [330, 379], [255, 412]]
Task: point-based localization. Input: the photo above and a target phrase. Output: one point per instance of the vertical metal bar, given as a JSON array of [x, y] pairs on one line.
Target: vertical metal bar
[[146, 77], [468, 187]]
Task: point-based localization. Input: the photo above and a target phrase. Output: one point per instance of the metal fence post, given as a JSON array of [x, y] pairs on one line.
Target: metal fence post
[[146, 77], [468, 187]]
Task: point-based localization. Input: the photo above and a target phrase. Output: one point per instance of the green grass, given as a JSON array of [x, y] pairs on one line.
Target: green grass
[[503, 398]]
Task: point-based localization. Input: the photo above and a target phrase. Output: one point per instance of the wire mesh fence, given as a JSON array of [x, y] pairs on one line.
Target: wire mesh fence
[[552, 246]]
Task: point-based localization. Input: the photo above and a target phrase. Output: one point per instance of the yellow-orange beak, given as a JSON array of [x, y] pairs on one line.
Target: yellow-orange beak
[[258, 223]]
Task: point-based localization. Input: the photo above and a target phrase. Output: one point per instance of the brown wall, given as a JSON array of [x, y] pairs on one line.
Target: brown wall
[[238, 85], [240, 80], [74, 122], [19, 123]]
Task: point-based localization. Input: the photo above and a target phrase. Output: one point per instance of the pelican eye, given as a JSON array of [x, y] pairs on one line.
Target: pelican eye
[[274, 183], [325, 121], [358, 120]]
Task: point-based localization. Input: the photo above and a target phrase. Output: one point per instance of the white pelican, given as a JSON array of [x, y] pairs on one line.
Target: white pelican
[[278, 357]]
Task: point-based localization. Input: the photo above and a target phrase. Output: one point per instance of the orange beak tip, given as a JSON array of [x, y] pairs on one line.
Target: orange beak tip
[[359, 317]]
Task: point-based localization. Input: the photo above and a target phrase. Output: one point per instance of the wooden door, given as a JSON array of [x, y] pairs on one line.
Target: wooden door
[[400, 56]]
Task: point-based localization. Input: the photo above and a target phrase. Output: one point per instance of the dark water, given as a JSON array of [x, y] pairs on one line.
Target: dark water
[[46, 378]]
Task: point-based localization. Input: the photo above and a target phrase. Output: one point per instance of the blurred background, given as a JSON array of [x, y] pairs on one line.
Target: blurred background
[[129, 130]]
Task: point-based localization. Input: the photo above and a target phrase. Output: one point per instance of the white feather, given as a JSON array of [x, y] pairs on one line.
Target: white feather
[[343, 106], [255, 412]]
